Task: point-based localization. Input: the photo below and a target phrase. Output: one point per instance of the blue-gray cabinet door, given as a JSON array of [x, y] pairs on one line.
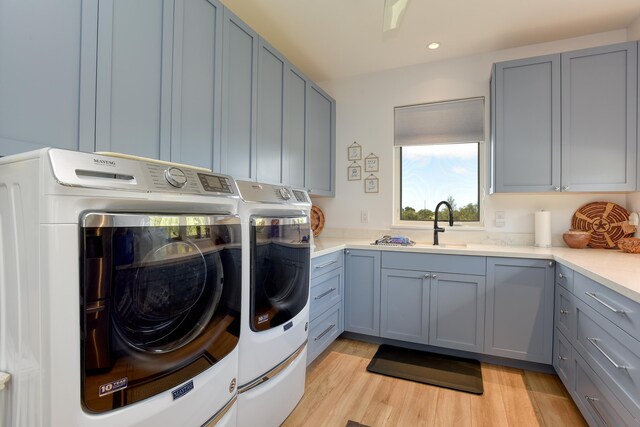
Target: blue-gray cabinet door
[[599, 117], [294, 128], [47, 75], [362, 292], [456, 314], [239, 98], [526, 120], [133, 89], [404, 305], [197, 82], [321, 142], [271, 71], [519, 310]]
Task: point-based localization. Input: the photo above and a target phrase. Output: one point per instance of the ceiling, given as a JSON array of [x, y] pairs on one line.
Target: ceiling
[[333, 39]]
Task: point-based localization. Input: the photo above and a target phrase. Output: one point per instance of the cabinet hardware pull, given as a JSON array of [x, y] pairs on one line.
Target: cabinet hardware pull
[[556, 188], [324, 294], [594, 341], [595, 297], [560, 275], [346, 251], [434, 276], [565, 187], [591, 401], [427, 276], [562, 358], [550, 263], [563, 311], [326, 264], [325, 332]]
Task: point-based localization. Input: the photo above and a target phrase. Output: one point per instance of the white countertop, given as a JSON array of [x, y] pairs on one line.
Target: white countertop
[[613, 268]]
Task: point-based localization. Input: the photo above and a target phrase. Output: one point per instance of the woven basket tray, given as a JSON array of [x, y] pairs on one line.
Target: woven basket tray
[[317, 220], [608, 222]]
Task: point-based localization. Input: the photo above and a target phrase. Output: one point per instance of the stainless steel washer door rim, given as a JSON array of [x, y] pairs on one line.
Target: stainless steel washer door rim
[[114, 219]]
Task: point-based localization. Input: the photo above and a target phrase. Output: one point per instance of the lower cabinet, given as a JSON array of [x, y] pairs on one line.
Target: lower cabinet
[[519, 316], [456, 315], [439, 309], [326, 318], [404, 305], [362, 293]]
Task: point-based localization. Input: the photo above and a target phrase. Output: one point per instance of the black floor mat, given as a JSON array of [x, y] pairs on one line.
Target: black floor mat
[[429, 368]]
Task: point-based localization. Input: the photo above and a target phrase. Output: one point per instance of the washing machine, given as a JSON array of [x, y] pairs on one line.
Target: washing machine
[[275, 302], [120, 292]]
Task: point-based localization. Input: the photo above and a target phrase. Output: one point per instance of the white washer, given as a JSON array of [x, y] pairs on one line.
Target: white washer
[[119, 292], [275, 302]]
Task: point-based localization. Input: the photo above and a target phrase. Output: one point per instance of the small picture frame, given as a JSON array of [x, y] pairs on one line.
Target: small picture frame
[[354, 172], [371, 184], [371, 163], [354, 151]]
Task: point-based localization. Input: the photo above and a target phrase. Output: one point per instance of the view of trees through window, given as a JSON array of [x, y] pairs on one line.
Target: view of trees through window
[[432, 173]]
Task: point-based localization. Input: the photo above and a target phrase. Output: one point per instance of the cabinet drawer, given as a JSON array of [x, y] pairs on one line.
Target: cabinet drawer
[[324, 330], [565, 315], [619, 309], [326, 291], [324, 264], [612, 353], [459, 264], [564, 277], [595, 400], [563, 359]]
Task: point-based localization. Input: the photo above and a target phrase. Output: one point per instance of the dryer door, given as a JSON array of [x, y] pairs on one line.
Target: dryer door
[[161, 302], [280, 258]]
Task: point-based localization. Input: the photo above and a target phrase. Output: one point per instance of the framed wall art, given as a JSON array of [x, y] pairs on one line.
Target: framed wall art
[[371, 184], [354, 172], [371, 163], [354, 151]]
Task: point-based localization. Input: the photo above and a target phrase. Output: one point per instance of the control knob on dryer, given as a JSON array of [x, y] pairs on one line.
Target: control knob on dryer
[[175, 177], [284, 193]]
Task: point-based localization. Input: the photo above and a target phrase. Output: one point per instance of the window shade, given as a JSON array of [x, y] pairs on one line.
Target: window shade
[[440, 122]]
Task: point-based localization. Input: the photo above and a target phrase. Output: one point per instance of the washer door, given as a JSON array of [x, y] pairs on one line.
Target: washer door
[[280, 258], [160, 301]]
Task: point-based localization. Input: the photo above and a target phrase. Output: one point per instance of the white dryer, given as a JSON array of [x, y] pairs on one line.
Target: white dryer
[[275, 302], [120, 287]]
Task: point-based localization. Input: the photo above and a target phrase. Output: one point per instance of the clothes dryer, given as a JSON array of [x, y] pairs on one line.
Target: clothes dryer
[[275, 302]]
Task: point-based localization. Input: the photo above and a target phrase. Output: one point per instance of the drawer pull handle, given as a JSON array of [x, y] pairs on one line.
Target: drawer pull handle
[[560, 275], [594, 341], [325, 332], [324, 294], [326, 264], [592, 401], [595, 297], [562, 358], [563, 311]]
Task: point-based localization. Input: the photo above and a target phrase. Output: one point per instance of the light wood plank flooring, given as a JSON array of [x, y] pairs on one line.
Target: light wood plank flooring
[[339, 389]]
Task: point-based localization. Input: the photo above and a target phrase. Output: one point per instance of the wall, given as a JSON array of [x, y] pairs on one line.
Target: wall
[[365, 106]]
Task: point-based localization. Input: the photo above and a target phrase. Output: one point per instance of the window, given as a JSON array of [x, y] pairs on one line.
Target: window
[[439, 149], [435, 172]]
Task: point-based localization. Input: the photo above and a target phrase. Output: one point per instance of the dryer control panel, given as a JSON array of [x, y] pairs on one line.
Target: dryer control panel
[[269, 193], [123, 172]]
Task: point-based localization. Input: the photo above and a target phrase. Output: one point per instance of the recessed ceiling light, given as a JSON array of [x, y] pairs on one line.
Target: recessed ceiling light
[[433, 45]]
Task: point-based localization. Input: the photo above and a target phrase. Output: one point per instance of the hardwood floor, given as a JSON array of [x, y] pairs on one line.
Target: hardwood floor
[[340, 389]]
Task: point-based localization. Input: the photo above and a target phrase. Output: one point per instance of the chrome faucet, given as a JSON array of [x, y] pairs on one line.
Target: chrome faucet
[[437, 229]]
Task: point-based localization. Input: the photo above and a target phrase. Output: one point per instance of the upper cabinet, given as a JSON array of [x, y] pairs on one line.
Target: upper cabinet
[[599, 118], [566, 122], [271, 72], [526, 134], [133, 85], [43, 55], [294, 127], [239, 98], [196, 101], [321, 142]]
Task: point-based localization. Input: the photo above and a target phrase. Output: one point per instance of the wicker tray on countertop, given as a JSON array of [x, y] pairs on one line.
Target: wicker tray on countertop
[[317, 220], [608, 222]]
